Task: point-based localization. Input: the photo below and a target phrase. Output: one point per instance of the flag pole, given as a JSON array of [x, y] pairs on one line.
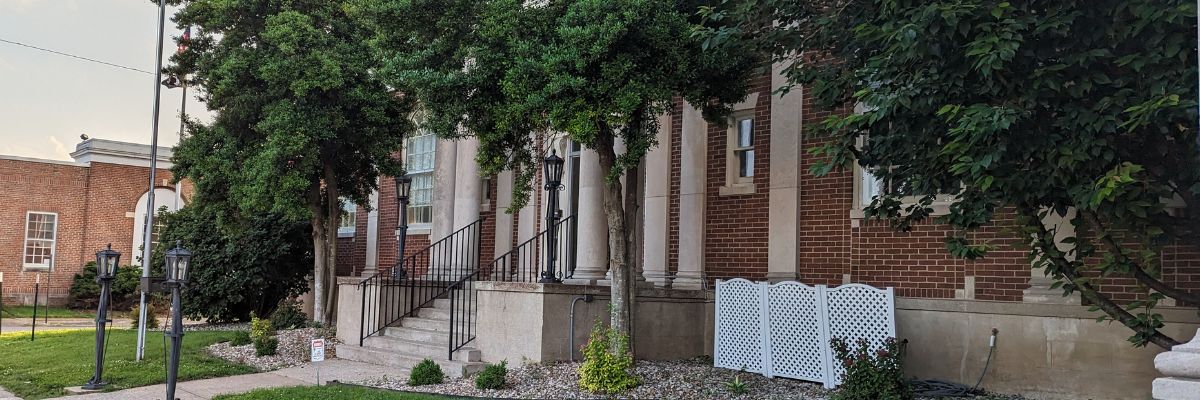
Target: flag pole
[[147, 232]]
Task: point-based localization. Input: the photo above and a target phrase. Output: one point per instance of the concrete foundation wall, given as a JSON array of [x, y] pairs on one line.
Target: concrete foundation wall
[[531, 322], [1042, 351]]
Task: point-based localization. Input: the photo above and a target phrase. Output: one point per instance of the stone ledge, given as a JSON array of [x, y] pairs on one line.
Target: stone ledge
[[1170, 314], [596, 290]]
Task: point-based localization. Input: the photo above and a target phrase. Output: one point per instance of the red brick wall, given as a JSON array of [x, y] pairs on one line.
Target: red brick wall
[[735, 236], [91, 202], [674, 193]]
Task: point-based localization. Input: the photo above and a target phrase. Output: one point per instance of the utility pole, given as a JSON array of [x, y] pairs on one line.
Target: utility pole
[[147, 232]]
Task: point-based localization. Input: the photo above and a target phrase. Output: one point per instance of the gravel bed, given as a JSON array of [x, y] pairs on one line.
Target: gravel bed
[[293, 349], [685, 379]]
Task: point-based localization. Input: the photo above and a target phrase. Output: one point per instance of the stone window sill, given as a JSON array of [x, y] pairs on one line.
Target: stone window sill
[[737, 189], [939, 208]]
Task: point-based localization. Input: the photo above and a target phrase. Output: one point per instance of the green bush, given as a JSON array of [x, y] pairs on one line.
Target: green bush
[[492, 376], [426, 372], [289, 316], [260, 328], [603, 371], [85, 291], [240, 338], [265, 346], [151, 316], [871, 374]]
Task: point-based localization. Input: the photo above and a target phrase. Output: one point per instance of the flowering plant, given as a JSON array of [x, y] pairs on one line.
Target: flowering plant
[[871, 374]]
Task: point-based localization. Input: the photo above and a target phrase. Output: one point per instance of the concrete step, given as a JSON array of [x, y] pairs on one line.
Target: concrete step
[[420, 348], [440, 325], [417, 334], [406, 361]]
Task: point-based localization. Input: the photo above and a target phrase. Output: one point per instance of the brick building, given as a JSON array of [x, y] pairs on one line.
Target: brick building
[[55, 215], [740, 202]]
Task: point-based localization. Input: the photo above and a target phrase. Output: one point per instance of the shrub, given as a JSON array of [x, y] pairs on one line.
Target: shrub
[[240, 338], [426, 372], [289, 316], [492, 376], [871, 374], [265, 346], [260, 328], [151, 316], [85, 291], [603, 371]]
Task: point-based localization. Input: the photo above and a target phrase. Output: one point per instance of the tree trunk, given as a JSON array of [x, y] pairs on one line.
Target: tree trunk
[[318, 237], [614, 213], [631, 239], [333, 211]]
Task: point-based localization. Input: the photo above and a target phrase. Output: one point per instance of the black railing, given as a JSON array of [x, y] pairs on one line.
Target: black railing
[[463, 303], [419, 279], [526, 262]]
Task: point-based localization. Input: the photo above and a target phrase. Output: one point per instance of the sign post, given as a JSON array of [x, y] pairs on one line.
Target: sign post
[[318, 355]]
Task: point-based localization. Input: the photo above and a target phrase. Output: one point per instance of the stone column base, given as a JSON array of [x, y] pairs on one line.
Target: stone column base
[[776, 277], [687, 281], [1048, 296], [1175, 388]]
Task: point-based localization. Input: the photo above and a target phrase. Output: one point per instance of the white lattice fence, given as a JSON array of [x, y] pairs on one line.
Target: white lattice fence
[[784, 329]]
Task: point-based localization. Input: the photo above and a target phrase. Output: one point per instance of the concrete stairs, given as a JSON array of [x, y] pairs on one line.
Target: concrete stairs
[[414, 339]]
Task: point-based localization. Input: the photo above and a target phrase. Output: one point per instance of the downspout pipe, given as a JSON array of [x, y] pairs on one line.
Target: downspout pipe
[[587, 298]]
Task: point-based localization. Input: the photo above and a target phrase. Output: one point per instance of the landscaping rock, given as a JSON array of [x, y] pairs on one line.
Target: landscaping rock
[[293, 349], [684, 379]]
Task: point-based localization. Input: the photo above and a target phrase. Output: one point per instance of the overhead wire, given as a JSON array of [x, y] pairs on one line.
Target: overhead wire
[[74, 56]]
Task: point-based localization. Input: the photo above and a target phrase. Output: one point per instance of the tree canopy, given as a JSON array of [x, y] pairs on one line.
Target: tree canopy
[[1081, 110], [302, 120]]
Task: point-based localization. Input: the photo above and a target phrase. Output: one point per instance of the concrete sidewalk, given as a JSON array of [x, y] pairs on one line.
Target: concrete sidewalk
[[331, 370]]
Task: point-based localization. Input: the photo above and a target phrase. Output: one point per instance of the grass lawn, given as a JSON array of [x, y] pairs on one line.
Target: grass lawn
[[56, 360], [54, 312], [332, 392]]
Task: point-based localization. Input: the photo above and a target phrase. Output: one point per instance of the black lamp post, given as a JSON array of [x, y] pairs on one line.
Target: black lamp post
[[403, 187], [178, 260], [553, 176], [106, 270]]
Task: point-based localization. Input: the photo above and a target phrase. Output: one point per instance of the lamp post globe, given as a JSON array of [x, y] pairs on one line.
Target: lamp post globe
[[552, 173], [178, 260], [106, 270]]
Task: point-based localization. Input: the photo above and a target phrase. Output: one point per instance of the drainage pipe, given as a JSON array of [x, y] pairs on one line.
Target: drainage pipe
[[587, 298]]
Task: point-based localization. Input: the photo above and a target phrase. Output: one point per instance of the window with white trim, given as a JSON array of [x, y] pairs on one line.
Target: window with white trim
[[419, 163], [349, 216], [739, 166], [41, 231]]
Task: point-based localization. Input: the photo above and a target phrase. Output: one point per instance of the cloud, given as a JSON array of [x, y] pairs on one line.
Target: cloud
[[59, 147]]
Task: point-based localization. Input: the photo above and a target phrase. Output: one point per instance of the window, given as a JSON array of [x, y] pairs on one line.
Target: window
[[348, 219], [419, 153], [41, 229], [739, 176]]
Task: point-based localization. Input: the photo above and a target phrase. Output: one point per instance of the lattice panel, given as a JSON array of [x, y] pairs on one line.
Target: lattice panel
[[858, 312], [739, 336], [796, 331]]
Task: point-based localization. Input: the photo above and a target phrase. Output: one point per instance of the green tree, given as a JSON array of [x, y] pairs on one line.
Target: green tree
[[520, 75], [242, 264], [1084, 111], [301, 118]]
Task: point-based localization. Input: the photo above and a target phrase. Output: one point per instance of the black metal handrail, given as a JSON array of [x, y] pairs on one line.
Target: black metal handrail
[[463, 303], [525, 262], [419, 279]]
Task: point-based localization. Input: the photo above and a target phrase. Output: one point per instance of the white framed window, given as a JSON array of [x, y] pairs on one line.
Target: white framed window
[[41, 233], [419, 162], [348, 219], [739, 170]]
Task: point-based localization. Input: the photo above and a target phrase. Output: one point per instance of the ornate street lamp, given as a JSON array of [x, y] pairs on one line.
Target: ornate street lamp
[[178, 262], [403, 188], [106, 271], [553, 176]]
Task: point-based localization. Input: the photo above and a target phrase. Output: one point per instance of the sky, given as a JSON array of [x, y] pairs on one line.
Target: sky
[[48, 100]]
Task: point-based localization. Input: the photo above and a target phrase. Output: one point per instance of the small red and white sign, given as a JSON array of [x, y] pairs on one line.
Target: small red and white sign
[[318, 350]]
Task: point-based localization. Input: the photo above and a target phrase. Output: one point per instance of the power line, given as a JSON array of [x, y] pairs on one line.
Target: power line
[[75, 56]]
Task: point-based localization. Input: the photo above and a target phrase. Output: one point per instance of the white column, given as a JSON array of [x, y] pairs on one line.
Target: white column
[[504, 220], [468, 185], [783, 243], [592, 248], [443, 188], [692, 188], [657, 190], [372, 263]]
